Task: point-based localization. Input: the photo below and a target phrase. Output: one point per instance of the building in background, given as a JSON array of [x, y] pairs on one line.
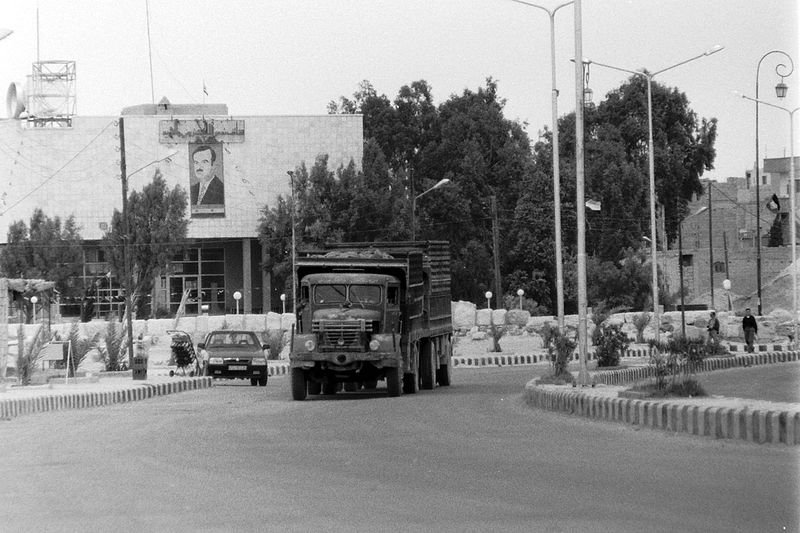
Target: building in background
[[733, 236], [70, 165]]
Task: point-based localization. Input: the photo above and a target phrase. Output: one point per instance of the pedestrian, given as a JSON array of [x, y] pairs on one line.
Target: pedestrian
[[713, 331], [750, 327]]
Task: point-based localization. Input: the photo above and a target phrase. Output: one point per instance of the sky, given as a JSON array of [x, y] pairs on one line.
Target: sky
[[294, 56]]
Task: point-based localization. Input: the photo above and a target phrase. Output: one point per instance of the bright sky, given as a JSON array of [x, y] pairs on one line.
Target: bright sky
[[293, 56]]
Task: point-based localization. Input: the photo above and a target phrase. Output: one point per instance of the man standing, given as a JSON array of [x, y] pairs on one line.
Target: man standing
[[750, 327], [713, 331], [209, 189]]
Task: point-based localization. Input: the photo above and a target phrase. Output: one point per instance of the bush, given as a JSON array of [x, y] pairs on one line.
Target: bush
[[28, 356], [559, 351], [275, 340], [80, 347], [610, 342], [689, 388], [497, 334], [115, 349], [640, 322]]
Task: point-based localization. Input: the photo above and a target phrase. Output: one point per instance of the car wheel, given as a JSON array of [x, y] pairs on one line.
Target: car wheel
[[253, 382], [298, 384], [262, 381]]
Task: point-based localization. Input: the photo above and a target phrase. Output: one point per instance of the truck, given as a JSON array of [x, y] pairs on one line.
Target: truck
[[370, 312]]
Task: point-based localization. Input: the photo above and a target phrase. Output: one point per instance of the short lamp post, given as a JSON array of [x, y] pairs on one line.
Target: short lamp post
[[520, 293], [237, 296], [726, 284], [34, 301], [283, 302], [488, 299]]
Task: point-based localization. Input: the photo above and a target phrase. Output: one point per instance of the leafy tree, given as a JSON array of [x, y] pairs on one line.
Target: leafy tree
[[157, 232], [44, 249]]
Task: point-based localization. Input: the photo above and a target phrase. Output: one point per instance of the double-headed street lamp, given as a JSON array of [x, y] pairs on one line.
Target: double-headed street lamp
[[780, 90], [651, 168], [556, 177], [414, 199], [792, 207]]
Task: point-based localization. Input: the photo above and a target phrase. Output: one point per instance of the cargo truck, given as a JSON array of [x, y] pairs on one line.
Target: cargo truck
[[370, 312]]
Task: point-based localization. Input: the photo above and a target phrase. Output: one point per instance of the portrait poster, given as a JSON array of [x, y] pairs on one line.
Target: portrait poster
[[206, 180]]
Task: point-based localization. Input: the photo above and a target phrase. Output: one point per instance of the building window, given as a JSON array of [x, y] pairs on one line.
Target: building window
[[719, 266], [198, 278], [687, 260]]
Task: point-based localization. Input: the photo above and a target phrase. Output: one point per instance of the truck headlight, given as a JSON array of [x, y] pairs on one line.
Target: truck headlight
[[310, 345], [374, 344]]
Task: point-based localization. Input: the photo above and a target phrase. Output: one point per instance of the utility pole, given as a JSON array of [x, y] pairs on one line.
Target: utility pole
[[126, 239], [710, 249], [496, 246]]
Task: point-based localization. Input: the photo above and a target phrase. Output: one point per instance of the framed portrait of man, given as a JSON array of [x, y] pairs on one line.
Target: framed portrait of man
[[206, 180]]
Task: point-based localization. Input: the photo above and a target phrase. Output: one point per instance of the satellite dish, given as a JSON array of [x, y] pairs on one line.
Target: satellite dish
[[15, 100]]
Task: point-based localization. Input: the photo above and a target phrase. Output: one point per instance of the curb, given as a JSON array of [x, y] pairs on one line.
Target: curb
[[56, 401], [753, 425]]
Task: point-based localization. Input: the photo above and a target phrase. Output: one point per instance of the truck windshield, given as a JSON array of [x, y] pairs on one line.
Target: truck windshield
[[330, 294], [365, 294]]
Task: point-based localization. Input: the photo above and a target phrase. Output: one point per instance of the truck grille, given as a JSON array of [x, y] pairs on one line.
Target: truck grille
[[341, 335]]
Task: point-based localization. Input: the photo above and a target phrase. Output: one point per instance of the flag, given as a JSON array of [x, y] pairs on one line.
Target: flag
[[774, 204], [205, 91]]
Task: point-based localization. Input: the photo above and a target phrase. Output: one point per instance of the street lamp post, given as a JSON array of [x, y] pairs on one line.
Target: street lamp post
[[520, 293], [283, 302], [414, 199], [488, 299], [34, 301], [651, 166], [237, 296], [792, 201], [780, 86], [551, 13], [294, 248]]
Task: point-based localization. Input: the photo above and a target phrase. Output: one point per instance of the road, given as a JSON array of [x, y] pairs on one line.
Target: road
[[471, 457]]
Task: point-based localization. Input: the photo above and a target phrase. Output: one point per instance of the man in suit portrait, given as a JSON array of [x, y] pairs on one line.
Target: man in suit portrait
[[209, 188]]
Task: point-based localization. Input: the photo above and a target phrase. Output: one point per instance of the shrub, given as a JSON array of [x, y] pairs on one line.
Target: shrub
[[497, 334], [28, 356], [275, 339], [80, 347], [114, 351], [559, 351], [611, 341], [640, 322]]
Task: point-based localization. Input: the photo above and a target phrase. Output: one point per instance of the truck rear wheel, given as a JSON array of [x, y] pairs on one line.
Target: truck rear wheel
[[298, 384], [427, 366], [394, 381]]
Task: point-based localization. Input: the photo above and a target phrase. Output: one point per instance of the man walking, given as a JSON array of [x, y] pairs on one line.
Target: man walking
[[750, 327], [713, 332]]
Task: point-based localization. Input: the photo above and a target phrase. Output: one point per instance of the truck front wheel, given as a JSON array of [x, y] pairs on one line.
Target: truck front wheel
[[427, 366], [443, 375], [394, 381], [298, 384]]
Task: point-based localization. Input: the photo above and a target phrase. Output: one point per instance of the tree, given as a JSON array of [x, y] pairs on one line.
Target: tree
[[157, 232], [776, 231], [45, 249]]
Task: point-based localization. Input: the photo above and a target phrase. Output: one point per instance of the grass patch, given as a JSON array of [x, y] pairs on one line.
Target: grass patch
[[556, 379], [689, 388]]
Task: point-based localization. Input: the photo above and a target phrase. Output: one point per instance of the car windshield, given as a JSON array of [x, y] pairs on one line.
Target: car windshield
[[227, 338], [330, 294]]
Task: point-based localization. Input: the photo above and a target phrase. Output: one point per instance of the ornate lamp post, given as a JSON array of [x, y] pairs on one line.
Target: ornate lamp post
[[488, 299], [520, 293], [237, 296], [651, 167], [792, 201], [780, 91], [283, 301], [556, 177]]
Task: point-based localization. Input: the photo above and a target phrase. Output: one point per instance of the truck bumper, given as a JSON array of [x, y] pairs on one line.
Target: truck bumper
[[345, 359]]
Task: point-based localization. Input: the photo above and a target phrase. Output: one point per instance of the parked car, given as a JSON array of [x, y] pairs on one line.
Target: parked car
[[235, 355]]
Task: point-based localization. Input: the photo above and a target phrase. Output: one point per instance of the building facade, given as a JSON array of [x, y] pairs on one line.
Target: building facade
[[231, 166]]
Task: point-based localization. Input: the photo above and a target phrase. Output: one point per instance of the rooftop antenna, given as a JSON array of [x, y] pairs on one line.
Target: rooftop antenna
[[150, 52]]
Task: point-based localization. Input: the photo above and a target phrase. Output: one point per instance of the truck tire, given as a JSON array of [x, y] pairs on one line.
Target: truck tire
[[314, 387], [427, 366], [394, 382], [298, 384], [351, 386], [370, 384]]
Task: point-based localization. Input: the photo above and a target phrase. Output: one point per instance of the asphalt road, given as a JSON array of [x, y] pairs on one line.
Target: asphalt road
[[471, 457]]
